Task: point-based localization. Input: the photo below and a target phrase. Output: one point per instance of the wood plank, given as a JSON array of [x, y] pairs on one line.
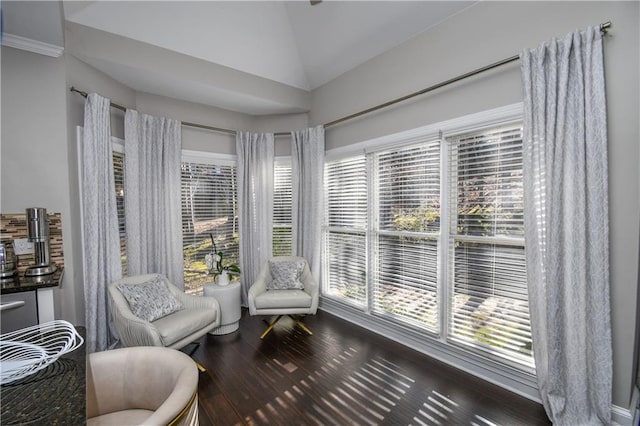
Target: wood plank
[[340, 375]]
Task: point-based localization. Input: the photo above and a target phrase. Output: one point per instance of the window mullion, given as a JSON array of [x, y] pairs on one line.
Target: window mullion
[[452, 224], [425, 235], [444, 242], [373, 223], [504, 241]]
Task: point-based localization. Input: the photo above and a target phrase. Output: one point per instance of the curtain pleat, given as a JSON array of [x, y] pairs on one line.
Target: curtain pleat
[[307, 192], [255, 153], [153, 217], [566, 226], [101, 242]]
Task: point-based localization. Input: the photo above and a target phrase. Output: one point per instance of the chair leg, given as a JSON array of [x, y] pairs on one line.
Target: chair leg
[[273, 324], [301, 324], [196, 345]]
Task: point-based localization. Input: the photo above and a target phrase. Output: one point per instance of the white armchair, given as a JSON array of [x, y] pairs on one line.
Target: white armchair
[[289, 302], [141, 386], [176, 330]]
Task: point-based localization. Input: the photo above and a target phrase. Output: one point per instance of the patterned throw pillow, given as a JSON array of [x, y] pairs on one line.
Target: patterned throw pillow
[[286, 274], [151, 300]]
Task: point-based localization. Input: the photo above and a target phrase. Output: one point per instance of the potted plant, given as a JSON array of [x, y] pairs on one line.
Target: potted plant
[[222, 271]]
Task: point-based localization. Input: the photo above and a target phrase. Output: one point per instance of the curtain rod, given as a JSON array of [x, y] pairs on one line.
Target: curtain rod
[[184, 123], [603, 28]]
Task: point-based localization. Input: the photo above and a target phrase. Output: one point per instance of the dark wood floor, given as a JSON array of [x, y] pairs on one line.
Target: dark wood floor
[[342, 375]]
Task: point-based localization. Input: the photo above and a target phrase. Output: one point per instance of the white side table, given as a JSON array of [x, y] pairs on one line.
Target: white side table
[[229, 298]]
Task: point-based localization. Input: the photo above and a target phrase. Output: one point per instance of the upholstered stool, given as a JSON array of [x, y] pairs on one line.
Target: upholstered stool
[[142, 385]]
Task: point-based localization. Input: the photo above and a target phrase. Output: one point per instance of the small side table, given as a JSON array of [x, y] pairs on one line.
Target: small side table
[[229, 298]]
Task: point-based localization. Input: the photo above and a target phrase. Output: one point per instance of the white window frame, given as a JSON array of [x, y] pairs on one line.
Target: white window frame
[[450, 240], [518, 379], [207, 158], [375, 230], [326, 229], [204, 157], [201, 157]]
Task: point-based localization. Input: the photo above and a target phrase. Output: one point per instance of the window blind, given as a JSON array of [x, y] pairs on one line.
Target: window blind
[[118, 175], [346, 183], [488, 179], [208, 208], [345, 233], [409, 188], [282, 210], [488, 290], [408, 217], [347, 266], [461, 276]]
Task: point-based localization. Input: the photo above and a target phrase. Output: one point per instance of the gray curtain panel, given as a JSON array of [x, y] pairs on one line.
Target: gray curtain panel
[[566, 226], [153, 218], [307, 172], [255, 153], [101, 242]]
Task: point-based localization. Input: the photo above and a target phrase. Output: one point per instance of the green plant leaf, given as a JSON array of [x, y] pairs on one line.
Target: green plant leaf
[[233, 268]]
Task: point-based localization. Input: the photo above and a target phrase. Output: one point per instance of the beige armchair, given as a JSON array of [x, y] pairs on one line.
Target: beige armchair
[[199, 316], [291, 302], [143, 385]]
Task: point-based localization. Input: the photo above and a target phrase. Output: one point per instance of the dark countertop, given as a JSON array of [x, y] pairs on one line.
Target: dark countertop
[[22, 283], [53, 396]]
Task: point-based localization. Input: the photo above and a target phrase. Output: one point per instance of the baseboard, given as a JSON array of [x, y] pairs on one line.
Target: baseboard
[[627, 416], [635, 403], [508, 378], [619, 416]]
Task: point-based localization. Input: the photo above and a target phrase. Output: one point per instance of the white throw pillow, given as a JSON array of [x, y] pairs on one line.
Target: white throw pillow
[[151, 300], [286, 274]]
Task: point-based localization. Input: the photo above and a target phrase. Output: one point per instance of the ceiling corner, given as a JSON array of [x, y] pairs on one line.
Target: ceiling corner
[[34, 26]]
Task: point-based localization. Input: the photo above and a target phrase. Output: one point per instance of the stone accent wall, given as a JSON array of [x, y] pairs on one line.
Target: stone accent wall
[[14, 226]]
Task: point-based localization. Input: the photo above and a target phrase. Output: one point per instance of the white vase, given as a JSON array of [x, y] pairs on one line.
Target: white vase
[[223, 278]]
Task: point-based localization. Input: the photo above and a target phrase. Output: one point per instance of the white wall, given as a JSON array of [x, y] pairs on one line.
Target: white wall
[[34, 151], [194, 138], [280, 124], [486, 33], [222, 143]]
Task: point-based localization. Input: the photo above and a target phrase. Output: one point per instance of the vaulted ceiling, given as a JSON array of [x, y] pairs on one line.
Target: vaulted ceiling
[[254, 57]]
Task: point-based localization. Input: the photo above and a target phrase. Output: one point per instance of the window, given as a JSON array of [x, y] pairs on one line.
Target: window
[[489, 309], [407, 194], [208, 209], [118, 175], [208, 198], [282, 208], [345, 232], [452, 270]]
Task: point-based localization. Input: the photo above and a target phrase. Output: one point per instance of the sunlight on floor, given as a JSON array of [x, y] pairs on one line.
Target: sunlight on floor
[[438, 405], [365, 396]]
